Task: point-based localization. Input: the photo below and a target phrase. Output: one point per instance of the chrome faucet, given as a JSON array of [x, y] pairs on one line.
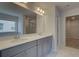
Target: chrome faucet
[[18, 36]]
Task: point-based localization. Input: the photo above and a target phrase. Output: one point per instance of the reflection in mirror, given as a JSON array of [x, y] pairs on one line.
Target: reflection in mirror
[[29, 25], [8, 25]]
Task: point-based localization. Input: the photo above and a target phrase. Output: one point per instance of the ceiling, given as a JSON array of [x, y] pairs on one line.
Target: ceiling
[[17, 9], [61, 5], [66, 5]]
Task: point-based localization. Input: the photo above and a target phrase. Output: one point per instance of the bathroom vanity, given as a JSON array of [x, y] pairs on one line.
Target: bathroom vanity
[[38, 47], [26, 45]]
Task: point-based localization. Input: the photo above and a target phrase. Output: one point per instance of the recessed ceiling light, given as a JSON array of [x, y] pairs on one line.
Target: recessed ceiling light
[[73, 18]]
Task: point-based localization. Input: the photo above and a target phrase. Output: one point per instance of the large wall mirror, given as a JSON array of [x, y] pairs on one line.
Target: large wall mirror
[[8, 25], [24, 23]]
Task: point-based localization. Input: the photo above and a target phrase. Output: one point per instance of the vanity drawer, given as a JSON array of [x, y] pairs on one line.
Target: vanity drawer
[[17, 49]]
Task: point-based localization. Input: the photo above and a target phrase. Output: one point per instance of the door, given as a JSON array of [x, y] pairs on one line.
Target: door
[[72, 31]]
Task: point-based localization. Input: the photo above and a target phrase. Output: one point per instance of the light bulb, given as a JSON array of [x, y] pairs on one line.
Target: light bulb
[[38, 9], [43, 11]]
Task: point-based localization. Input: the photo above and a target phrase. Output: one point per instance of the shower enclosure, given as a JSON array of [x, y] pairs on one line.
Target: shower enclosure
[[72, 31]]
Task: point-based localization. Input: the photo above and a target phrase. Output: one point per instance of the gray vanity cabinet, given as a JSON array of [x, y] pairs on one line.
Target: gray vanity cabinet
[[37, 48], [13, 51]]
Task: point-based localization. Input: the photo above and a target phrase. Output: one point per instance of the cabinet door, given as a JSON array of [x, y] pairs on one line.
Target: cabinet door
[[40, 47], [47, 45], [32, 52], [40, 50], [21, 54], [44, 46]]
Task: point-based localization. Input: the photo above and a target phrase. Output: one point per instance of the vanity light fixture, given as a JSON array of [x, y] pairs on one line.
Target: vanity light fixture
[[43, 12], [39, 10]]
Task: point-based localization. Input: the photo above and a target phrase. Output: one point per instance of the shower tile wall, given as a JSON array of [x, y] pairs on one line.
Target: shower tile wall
[[72, 31]]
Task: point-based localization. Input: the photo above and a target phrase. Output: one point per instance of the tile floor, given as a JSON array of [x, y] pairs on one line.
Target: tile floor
[[65, 52]]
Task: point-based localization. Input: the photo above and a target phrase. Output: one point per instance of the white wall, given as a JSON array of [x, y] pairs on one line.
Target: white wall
[[70, 12], [47, 24], [62, 30], [58, 20]]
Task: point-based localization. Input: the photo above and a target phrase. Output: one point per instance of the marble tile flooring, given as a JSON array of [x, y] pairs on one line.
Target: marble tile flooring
[[65, 52]]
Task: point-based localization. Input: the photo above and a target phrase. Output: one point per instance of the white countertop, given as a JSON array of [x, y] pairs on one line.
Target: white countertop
[[7, 43]]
